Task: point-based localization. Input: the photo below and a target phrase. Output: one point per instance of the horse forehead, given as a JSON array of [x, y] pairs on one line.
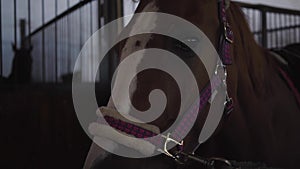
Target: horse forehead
[[187, 9], [185, 5], [194, 11], [140, 23], [184, 9]]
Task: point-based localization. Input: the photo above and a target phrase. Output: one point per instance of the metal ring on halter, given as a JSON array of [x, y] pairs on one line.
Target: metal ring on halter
[[226, 26], [224, 79], [221, 65], [169, 140]]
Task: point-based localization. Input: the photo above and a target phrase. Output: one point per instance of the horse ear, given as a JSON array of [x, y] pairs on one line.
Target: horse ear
[[227, 3]]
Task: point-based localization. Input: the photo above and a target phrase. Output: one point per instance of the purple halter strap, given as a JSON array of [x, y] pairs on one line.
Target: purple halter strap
[[181, 129]]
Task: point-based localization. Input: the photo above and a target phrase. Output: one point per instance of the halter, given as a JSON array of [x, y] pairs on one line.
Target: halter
[[217, 81], [225, 41]]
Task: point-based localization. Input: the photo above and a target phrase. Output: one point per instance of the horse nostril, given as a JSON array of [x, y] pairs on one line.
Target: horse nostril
[[138, 43]]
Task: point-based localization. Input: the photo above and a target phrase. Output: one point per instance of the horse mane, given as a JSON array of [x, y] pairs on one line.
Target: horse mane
[[253, 62]]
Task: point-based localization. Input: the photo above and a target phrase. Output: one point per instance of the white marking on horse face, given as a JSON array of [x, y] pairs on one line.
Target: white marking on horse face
[[136, 25]]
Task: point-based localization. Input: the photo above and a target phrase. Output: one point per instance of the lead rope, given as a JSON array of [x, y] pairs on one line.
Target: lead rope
[[220, 163]]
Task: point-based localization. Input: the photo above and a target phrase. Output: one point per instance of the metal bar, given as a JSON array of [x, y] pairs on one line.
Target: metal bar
[[15, 22], [254, 21], [43, 45], [120, 8], [258, 34], [295, 29], [268, 8], [298, 30], [80, 28], [282, 32], [120, 13], [292, 32], [91, 33], [55, 45], [110, 13], [99, 13], [101, 23], [29, 21], [80, 38], [273, 20], [1, 50], [68, 40], [287, 30], [269, 34], [251, 14], [274, 26], [279, 29], [279, 33], [58, 17], [276, 33], [63, 55], [264, 28], [22, 32], [91, 19]]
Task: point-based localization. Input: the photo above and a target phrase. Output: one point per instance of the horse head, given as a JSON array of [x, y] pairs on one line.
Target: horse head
[[249, 85], [202, 14]]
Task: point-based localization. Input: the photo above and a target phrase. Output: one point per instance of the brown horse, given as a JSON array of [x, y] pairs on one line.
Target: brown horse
[[264, 125]]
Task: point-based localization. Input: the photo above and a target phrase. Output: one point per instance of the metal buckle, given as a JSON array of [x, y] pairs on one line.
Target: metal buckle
[[228, 105], [169, 140], [226, 32], [219, 66]]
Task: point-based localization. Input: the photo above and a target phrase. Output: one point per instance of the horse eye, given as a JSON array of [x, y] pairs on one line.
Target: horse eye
[[182, 47], [192, 42]]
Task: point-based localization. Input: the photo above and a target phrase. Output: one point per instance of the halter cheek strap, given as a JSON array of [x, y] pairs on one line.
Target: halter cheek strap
[[227, 39], [225, 42]]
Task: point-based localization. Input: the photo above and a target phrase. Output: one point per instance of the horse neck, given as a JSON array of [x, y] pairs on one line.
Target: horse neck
[[252, 64], [249, 83]]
